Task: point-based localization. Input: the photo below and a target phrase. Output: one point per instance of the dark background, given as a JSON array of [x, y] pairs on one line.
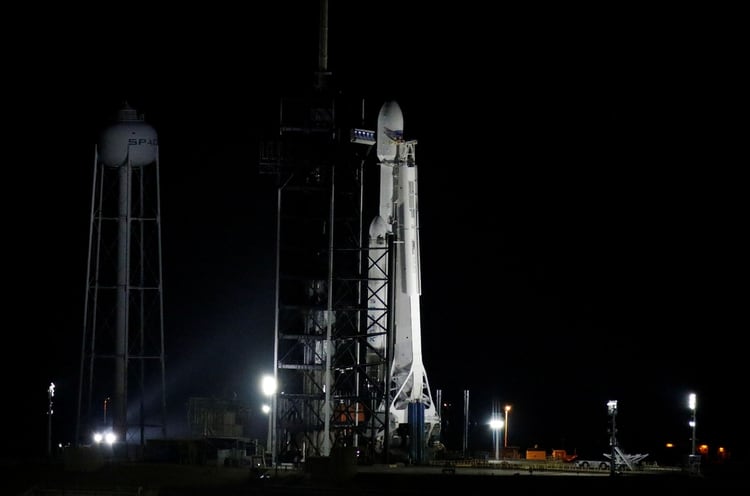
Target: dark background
[[580, 200]]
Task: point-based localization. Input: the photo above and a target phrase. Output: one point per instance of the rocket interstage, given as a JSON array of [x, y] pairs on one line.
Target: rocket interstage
[[398, 216]]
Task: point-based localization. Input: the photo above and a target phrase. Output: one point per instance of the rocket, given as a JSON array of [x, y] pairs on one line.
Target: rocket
[[389, 134], [398, 217]]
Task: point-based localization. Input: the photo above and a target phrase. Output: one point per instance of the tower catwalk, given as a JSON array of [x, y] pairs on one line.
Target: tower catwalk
[[122, 376]]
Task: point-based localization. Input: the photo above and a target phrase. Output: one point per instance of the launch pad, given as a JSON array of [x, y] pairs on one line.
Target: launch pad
[[347, 348]]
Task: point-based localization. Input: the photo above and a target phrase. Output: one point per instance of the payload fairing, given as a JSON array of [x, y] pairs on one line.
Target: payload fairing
[[410, 409]]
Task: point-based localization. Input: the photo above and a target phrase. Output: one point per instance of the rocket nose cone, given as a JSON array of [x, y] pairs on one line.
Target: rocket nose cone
[[391, 110], [390, 130]]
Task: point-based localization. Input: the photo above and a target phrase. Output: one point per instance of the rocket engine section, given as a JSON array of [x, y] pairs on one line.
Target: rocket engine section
[[413, 419]]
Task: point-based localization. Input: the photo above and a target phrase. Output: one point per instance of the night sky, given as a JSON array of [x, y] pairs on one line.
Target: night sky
[[580, 201]]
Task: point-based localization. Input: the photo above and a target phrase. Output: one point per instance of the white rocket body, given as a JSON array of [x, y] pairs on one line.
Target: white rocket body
[[399, 215]]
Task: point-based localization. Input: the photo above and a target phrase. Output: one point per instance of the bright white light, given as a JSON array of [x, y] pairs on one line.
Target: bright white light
[[692, 401], [268, 385], [266, 409], [691, 423], [107, 437], [496, 424]]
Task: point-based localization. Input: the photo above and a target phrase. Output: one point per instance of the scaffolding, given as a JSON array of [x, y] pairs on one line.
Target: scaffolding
[[329, 384]]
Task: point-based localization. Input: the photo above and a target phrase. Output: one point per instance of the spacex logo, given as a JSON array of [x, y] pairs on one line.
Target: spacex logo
[[143, 141]]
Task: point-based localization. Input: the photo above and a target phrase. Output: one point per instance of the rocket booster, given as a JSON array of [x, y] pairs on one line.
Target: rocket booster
[[409, 229], [389, 133], [398, 215], [398, 189]]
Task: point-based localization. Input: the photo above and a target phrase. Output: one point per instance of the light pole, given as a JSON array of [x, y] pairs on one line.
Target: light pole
[[612, 411], [465, 444], [496, 424], [50, 395], [268, 386], [507, 409], [693, 459], [266, 408], [692, 403]]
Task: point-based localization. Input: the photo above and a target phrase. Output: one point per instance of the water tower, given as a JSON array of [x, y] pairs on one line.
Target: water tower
[[122, 375]]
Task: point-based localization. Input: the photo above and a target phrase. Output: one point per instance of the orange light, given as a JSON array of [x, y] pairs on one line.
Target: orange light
[[349, 413]]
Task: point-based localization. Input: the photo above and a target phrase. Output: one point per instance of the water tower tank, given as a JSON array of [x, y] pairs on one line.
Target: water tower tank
[[129, 137]]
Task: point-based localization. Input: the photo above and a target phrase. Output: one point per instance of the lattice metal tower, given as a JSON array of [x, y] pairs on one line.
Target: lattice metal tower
[[328, 389]]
